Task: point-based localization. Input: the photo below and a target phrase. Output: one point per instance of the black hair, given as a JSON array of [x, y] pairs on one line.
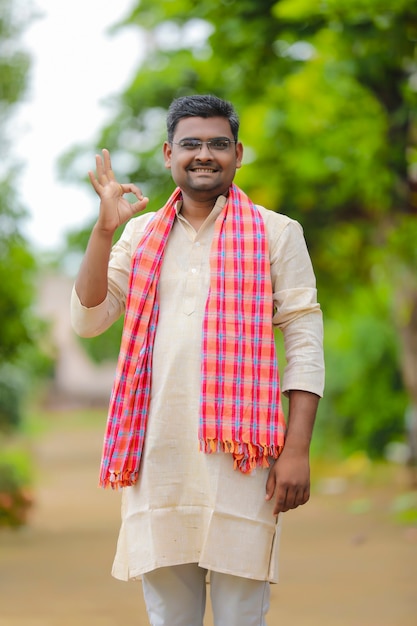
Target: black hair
[[200, 106]]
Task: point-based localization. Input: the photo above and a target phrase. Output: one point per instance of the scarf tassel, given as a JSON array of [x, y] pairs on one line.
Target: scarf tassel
[[117, 480], [247, 456]]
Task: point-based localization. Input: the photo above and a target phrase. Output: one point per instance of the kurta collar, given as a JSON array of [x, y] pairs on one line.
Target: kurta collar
[[213, 215]]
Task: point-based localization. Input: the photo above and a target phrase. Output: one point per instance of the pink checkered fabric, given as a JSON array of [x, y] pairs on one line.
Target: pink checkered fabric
[[240, 411]]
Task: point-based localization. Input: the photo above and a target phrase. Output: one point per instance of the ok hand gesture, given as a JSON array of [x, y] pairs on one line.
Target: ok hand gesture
[[115, 210]]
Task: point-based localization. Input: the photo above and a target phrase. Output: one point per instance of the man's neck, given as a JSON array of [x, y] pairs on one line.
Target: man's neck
[[196, 213]]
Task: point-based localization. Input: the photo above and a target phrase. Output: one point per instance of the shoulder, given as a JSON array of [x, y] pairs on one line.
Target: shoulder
[[277, 224], [134, 230]]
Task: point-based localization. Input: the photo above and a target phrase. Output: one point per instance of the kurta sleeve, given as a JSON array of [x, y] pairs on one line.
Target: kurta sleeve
[[297, 312], [90, 322]]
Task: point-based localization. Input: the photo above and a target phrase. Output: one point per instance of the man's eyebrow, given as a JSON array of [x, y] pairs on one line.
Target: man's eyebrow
[[210, 139]]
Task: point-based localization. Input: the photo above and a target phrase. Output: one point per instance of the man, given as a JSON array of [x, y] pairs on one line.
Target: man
[[195, 431]]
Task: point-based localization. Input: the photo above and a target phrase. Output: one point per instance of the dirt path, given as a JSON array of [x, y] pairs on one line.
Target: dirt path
[[344, 561]]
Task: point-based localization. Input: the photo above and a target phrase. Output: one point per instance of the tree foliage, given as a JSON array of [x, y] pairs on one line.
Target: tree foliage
[[327, 95], [19, 329], [18, 325]]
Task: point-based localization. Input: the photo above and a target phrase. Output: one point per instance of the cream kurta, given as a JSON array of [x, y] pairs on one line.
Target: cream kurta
[[191, 507]]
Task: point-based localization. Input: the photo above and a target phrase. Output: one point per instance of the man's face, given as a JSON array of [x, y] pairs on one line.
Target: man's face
[[203, 173]]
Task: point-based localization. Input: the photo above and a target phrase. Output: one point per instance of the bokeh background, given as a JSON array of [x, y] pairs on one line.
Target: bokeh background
[[327, 96]]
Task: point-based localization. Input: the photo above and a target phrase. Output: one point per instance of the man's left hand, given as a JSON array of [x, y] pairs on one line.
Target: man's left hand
[[289, 481]]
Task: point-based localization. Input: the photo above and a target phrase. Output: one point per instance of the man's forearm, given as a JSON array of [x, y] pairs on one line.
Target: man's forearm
[[91, 282], [301, 417]]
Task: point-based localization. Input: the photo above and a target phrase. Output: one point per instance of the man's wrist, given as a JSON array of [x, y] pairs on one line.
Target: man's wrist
[[102, 234], [299, 447]]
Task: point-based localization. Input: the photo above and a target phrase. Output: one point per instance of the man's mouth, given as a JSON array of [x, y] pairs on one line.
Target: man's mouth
[[203, 170]]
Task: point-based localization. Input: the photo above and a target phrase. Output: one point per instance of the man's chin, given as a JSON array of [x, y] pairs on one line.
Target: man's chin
[[205, 185]]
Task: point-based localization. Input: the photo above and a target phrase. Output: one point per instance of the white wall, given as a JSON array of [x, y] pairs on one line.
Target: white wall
[[76, 376]]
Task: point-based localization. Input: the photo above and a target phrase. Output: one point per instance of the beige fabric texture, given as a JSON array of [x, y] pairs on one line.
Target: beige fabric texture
[[191, 507]]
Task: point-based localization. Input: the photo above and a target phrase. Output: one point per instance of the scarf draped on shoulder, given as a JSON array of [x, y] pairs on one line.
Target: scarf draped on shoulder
[[240, 408]]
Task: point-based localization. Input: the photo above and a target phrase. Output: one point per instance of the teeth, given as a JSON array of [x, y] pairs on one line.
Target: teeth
[[203, 169]]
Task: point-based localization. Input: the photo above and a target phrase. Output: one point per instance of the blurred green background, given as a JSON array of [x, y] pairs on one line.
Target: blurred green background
[[327, 96]]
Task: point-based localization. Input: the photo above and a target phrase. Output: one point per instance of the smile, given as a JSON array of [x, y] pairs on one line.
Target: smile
[[203, 170]]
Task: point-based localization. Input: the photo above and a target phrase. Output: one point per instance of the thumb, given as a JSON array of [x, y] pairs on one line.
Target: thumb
[[140, 205], [270, 486]]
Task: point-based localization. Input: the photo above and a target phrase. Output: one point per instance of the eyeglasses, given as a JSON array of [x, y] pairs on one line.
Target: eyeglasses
[[218, 144]]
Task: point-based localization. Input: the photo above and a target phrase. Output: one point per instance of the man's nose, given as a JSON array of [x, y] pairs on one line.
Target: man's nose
[[204, 152]]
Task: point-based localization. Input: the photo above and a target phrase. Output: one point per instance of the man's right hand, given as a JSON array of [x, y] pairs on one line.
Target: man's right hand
[[115, 210]]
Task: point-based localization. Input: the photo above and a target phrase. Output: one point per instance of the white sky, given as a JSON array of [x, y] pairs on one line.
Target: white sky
[[75, 64]]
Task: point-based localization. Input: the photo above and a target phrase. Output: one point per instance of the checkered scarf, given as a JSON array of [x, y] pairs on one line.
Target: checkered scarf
[[240, 396]]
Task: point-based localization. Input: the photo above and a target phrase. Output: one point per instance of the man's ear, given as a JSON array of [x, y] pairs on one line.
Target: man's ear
[[239, 154], [167, 151]]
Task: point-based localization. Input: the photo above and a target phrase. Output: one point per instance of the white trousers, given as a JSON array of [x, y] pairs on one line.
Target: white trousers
[[176, 596]]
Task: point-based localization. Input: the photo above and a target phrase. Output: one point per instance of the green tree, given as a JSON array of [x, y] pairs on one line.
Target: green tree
[[19, 329], [327, 94], [18, 326]]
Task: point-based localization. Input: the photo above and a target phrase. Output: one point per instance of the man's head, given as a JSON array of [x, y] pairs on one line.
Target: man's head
[[202, 150], [201, 106]]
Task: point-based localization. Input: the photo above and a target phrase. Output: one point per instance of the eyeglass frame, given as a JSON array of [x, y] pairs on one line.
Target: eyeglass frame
[[208, 143]]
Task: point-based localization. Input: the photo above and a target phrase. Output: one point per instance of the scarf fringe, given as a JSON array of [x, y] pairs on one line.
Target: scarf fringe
[[247, 456], [118, 480]]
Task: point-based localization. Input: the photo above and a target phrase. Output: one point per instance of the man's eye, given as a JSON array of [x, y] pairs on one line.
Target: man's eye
[[190, 144], [220, 144]]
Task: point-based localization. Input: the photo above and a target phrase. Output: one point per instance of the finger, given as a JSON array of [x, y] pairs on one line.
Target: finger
[[94, 181], [281, 502], [140, 205], [131, 188], [99, 166], [107, 165], [293, 498], [270, 486], [296, 497]]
